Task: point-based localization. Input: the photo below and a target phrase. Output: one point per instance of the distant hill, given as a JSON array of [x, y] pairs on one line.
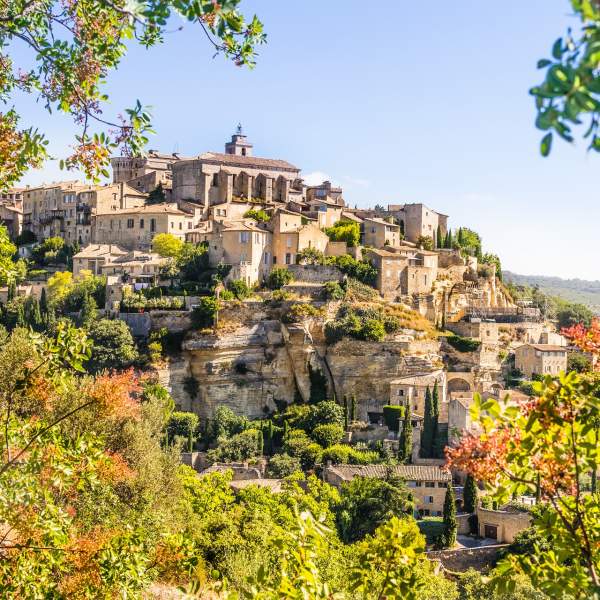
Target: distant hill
[[573, 290]]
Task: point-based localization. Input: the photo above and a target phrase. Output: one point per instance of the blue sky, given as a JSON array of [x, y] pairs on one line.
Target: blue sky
[[397, 101]]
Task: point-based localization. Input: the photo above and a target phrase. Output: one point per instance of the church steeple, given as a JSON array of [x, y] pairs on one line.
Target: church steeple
[[239, 145]]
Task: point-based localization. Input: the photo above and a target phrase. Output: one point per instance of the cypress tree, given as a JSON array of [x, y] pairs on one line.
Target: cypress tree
[[450, 526], [448, 243], [435, 414], [353, 409], [35, 316], [11, 292], [346, 413], [470, 494], [460, 238], [21, 320], [427, 433], [88, 312], [260, 443], [43, 303], [406, 437], [439, 240]]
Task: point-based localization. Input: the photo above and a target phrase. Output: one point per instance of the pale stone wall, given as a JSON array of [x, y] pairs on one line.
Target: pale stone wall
[[315, 273], [531, 361], [507, 524]]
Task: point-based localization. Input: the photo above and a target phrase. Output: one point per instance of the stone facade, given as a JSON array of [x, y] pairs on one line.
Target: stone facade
[[502, 525], [378, 233], [540, 359], [416, 220]]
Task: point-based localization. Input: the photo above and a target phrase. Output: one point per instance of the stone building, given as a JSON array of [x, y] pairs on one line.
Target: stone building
[[325, 191], [427, 484], [324, 211], [502, 525], [412, 389], [144, 173], [416, 220], [540, 359], [378, 233], [135, 228], [11, 216], [244, 246], [403, 271], [215, 178], [109, 259]]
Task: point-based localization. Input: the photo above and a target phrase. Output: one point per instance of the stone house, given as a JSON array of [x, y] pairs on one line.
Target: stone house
[[244, 246], [144, 173], [412, 389], [427, 484], [324, 211], [540, 359], [416, 220], [135, 228], [378, 233], [323, 191], [291, 235], [403, 271], [215, 177], [11, 216], [94, 256], [502, 525]]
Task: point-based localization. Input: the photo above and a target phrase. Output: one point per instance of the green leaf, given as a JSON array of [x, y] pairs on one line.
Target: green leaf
[[557, 50], [546, 144], [544, 62]]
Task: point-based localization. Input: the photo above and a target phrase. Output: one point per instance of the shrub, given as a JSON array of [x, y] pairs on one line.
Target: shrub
[[361, 270], [301, 311], [183, 424], [463, 344], [155, 352], [332, 290], [328, 434], [345, 231], [310, 256], [299, 445], [239, 288], [113, 345], [203, 314], [373, 330], [225, 423], [425, 242], [326, 412], [258, 215], [283, 465], [337, 454], [278, 277], [392, 416], [280, 296], [241, 446], [359, 323]]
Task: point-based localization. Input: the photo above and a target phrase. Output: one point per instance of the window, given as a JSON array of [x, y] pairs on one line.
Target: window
[[243, 237], [189, 224], [180, 225], [288, 259], [243, 151], [152, 224], [429, 499], [141, 223], [274, 260], [400, 392], [172, 224], [288, 242], [418, 484], [129, 223], [372, 229], [257, 238], [430, 484], [215, 180], [442, 484]]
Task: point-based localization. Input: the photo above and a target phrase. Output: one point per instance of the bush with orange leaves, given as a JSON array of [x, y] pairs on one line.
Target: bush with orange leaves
[[547, 447]]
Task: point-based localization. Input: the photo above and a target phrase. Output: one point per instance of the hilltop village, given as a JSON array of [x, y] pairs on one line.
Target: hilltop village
[[252, 293]]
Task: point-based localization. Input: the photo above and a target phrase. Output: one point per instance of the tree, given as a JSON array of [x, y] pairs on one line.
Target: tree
[[278, 277], [33, 316], [59, 285], [367, 502], [345, 231], [11, 292], [327, 435], [569, 93], [283, 465], [88, 313], [448, 240], [428, 427], [44, 303], [193, 262], [572, 314], [66, 52], [548, 447], [157, 195], [425, 242], [406, 437], [113, 345], [450, 526], [169, 270], [435, 417], [183, 425], [439, 239], [167, 245], [470, 495], [469, 242], [353, 409], [258, 215], [310, 256], [492, 259]]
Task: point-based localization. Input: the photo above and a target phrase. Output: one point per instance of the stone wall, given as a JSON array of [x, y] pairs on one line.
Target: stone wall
[[142, 323], [507, 523], [315, 273], [463, 559]]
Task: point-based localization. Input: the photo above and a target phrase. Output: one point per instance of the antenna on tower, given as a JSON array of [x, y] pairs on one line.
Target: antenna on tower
[[239, 129]]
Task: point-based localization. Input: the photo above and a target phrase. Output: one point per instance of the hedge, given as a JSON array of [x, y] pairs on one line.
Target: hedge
[[463, 344]]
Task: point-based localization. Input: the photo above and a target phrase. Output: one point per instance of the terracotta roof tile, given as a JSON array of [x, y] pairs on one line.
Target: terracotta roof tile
[[407, 472]]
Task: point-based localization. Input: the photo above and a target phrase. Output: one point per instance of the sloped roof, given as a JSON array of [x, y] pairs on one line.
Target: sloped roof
[[164, 208], [246, 161], [98, 250], [407, 472], [546, 347]]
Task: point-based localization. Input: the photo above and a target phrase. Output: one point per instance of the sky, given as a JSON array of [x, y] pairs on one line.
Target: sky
[[397, 102]]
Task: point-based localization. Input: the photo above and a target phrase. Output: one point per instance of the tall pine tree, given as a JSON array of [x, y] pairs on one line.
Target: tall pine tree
[[88, 312], [448, 241], [427, 432], [406, 437], [450, 526], [44, 303], [470, 494], [11, 292], [353, 409], [439, 240]]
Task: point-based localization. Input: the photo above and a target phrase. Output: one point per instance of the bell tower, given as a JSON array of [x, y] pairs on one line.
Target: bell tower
[[239, 145]]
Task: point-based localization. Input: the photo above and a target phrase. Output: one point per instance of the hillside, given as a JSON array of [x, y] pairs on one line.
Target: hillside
[[573, 290]]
